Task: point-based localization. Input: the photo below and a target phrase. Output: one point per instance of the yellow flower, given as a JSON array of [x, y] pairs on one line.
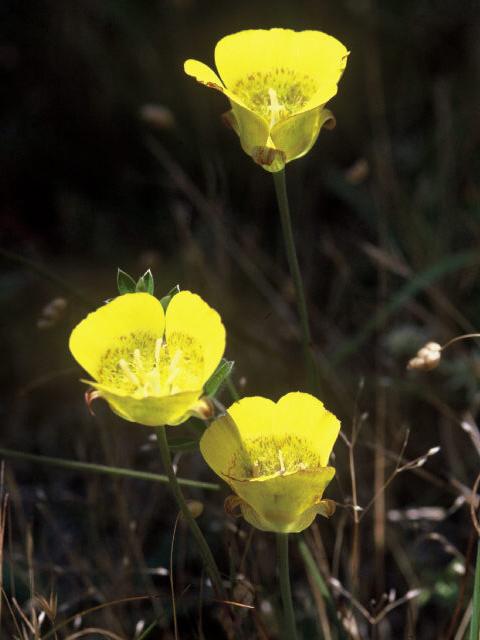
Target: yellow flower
[[274, 456], [278, 82], [150, 366]]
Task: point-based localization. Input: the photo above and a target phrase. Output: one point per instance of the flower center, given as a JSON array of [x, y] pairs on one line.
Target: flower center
[[275, 94], [273, 455], [141, 364]]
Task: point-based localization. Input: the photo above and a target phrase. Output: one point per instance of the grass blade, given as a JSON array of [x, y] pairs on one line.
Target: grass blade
[[475, 622], [102, 468]]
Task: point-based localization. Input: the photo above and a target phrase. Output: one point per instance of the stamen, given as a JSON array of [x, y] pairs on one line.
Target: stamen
[[125, 367], [158, 348], [174, 369], [275, 107], [137, 358], [282, 462]]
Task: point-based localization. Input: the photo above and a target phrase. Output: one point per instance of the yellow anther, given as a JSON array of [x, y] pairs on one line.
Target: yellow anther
[[174, 368], [275, 106], [158, 348], [282, 462], [152, 382], [137, 358], [124, 366]]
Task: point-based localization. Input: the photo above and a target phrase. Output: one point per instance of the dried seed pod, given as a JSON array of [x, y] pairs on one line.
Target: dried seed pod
[[244, 592], [157, 116], [195, 507], [427, 358], [52, 313]]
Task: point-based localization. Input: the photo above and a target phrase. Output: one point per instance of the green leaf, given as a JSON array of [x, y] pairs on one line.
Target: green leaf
[[165, 301], [145, 284], [218, 377], [125, 283]]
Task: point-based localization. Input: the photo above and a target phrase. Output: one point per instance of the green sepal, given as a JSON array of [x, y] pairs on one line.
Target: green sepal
[[218, 377], [125, 282], [193, 430], [145, 283], [165, 301], [183, 444]]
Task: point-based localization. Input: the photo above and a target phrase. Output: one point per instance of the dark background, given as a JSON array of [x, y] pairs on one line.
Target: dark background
[[111, 156]]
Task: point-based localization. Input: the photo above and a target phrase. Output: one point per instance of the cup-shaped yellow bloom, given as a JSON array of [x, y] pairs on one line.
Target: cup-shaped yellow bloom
[[150, 365], [278, 82], [275, 458]]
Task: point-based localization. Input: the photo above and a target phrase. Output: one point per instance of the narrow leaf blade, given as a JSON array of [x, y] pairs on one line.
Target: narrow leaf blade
[[146, 284], [218, 377], [125, 282]]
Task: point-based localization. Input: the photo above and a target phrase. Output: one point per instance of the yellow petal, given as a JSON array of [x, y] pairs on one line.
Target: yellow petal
[[313, 53], [202, 73], [296, 135], [319, 55], [226, 444], [249, 126], [189, 315], [205, 75], [219, 445], [252, 129], [253, 416], [306, 416], [151, 411], [128, 314], [287, 503]]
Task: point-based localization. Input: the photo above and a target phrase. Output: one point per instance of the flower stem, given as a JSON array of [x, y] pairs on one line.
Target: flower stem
[[204, 549], [286, 220], [284, 574]]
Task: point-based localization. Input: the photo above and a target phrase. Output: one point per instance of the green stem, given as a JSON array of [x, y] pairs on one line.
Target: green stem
[[475, 622], [286, 220], [317, 578], [101, 468], [204, 549], [284, 574]]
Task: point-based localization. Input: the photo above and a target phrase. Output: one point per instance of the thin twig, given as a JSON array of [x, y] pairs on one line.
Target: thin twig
[[374, 620], [473, 513]]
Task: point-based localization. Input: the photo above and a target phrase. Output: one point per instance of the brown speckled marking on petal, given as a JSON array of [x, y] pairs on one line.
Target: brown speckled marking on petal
[[212, 85], [292, 89], [267, 155], [229, 120]]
